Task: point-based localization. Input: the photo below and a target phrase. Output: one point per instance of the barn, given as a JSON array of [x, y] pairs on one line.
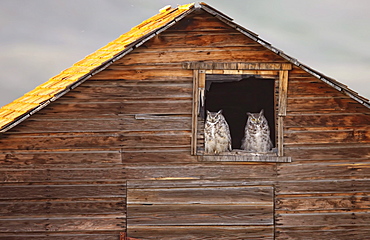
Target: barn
[[113, 147]]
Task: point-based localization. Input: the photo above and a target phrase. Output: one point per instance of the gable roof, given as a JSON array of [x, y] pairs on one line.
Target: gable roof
[[33, 101]]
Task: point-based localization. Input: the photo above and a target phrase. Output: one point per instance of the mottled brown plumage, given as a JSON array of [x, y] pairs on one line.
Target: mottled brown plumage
[[217, 137], [256, 134]]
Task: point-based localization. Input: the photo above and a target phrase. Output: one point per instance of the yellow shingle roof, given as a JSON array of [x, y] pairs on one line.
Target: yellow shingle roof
[[56, 86]]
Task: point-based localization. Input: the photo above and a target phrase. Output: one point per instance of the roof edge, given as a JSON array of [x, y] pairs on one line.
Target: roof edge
[[184, 10]]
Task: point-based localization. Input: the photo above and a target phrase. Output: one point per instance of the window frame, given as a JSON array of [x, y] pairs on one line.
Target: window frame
[[279, 71]]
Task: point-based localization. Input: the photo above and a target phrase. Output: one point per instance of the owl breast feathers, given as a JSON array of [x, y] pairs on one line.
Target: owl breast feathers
[[217, 137], [256, 133]]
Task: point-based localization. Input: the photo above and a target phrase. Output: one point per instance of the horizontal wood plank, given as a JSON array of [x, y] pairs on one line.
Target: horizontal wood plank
[[310, 86], [157, 157], [207, 39], [68, 157], [112, 109], [322, 203], [322, 105], [28, 209], [323, 186], [116, 222], [323, 171], [324, 232], [358, 135], [70, 235], [199, 22], [248, 195], [9, 192], [110, 140], [146, 74], [323, 219], [327, 120], [216, 55], [61, 141], [137, 122], [200, 171], [61, 174], [131, 90], [201, 232], [191, 183], [343, 151], [199, 215]]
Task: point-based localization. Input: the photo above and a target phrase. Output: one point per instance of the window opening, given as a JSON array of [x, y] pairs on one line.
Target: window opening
[[265, 83], [236, 95]]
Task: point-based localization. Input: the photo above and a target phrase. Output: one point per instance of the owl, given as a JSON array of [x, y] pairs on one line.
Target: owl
[[256, 134], [217, 137]]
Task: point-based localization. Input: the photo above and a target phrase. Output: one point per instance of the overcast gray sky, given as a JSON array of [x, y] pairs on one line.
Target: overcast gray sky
[[40, 38]]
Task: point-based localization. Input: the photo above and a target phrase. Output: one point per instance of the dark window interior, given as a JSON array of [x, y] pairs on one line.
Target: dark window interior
[[236, 95]]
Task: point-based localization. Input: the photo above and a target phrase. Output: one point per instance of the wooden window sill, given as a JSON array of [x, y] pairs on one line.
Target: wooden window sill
[[242, 156]]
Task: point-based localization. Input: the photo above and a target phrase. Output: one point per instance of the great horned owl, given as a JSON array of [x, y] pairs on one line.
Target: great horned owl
[[256, 133], [216, 133]]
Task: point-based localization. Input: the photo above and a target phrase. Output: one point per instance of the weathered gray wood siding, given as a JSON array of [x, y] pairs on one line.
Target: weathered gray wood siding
[[67, 170]]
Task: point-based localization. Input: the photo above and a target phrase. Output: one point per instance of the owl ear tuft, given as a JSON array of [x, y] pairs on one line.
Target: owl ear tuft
[[261, 112], [220, 111], [249, 114]]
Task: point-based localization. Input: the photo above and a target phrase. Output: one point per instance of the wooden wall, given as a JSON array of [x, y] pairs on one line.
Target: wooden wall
[[324, 192], [120, 143], [62, 174]]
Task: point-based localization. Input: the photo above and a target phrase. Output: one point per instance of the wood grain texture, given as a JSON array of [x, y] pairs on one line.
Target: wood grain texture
[[153, 73], [124, 90], [200, 171], [327, 120], [209, 209], [53, 174], [323, 186], [317, 171], [62, 224], [133, 122], [200, 232], [201, 38], [199, 215], [248, 195], [155, 156], [70, 235], [25, 158], [323, 219], [322, 202], [12, 192], [112, 140], [60, 141], [76, 207], [193, 183], [335, 232], [326, 152]]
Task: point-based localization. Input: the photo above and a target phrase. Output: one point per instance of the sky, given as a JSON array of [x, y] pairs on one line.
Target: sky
[[40, 38]]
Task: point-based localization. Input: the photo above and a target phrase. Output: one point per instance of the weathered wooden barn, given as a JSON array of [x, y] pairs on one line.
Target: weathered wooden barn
[[112, 148]]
